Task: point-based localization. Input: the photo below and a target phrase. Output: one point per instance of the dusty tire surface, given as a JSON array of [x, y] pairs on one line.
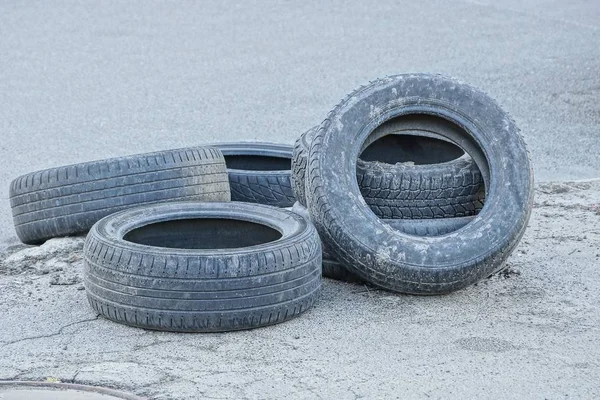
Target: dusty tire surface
[[68, 200], [259, 172], [395, 260], [421, 227], [299, 159], [219, 267], [333, 269], [449, 187]]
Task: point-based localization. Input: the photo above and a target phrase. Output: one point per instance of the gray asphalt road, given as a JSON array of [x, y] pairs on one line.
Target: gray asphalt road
[[530, 332], [81, 81]]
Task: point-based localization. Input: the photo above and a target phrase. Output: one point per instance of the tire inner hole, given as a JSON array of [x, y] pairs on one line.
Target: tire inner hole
[[258, 163], [436, 202], [203, 233], [420, 150]]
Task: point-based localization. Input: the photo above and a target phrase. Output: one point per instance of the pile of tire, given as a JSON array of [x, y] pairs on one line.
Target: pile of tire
[[416, 184]]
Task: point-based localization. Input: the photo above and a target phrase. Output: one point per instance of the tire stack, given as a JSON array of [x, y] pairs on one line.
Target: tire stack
[[166, 247], [414, 183]]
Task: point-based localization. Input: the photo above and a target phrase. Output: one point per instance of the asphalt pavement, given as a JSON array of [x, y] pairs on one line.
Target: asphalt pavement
[[81, 81], [529, 332]]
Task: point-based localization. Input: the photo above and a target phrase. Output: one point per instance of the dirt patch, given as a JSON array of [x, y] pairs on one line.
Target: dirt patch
[[60, 259]]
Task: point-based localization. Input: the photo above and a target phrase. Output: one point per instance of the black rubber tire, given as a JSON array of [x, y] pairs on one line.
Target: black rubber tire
[[449, 189], [219, 287], [299, 159], [419, 227], [259, 172], [68, 200], [394, 260]]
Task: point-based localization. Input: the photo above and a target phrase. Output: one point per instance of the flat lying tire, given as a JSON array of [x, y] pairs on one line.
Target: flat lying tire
[[68, 200], [202, 267]]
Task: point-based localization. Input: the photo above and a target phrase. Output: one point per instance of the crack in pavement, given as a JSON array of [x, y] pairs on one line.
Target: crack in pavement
[[60, 331], [156, 343]]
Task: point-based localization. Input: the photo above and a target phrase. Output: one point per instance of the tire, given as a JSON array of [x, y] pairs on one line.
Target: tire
[[220, 286], [392, 259], [69, 200], [259, 172], [446, 185], [299, 158], [419, 227]]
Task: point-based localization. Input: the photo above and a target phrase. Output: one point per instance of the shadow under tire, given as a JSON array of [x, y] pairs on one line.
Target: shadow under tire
[[219, 267], [394, 260], [68, 200]]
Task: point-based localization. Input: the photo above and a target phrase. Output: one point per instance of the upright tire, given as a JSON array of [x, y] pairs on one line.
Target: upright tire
[[69, 200], [392, 259], [259, 172], [202, 267]]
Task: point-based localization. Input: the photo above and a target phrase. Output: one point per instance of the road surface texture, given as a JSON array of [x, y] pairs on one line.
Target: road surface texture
[[532, 331], [81, 81]]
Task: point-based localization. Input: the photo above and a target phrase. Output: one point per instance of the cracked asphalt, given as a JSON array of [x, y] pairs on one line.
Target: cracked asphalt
[[531, 331], [82, 81]]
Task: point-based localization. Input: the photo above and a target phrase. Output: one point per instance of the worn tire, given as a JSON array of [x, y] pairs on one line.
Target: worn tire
[[259, 172], [68, 200], [392, 259], [447, 189], [419, 227], [220, 287], [299, 159], [449, 185]]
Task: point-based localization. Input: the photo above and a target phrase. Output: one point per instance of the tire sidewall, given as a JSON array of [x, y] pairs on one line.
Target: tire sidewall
[[390, 258]]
